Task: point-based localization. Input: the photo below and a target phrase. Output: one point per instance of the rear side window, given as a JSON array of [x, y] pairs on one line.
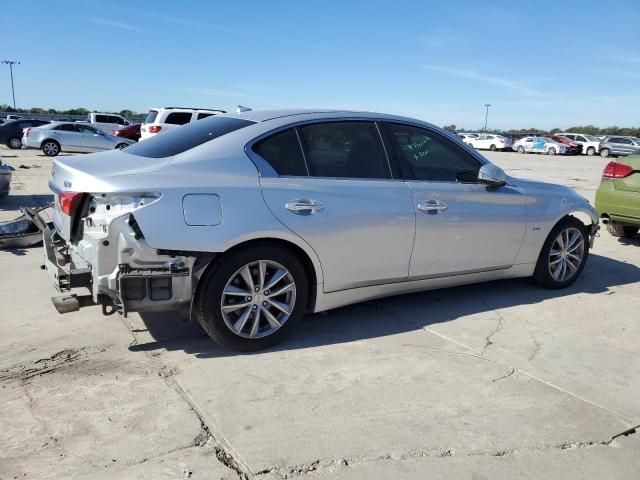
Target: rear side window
[[151, 116], [204, 115], [428, 156], [180, 140], [344, 150], [66, 127], [282, 151], [178, 118], [102, 119]]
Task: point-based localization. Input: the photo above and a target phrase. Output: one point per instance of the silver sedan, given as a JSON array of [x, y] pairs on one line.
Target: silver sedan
[[57, 137], [249, 220]]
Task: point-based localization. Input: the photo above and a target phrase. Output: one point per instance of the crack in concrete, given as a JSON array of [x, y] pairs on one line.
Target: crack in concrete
[[292, 471], [488, 340]]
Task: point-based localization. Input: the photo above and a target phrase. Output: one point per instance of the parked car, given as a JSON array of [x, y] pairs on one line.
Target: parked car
[[59, 137], [250, 219], [105, 121], [132, 132], [573, 148], [590, 144], [14, 117], [616, 146], [5, 179], [489, 142], [11, 132], [163, 119], [618, 197], [539, 145], [467, 136]]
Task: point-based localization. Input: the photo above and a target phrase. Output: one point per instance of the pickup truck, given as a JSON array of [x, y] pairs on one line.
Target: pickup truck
[[106, 121]]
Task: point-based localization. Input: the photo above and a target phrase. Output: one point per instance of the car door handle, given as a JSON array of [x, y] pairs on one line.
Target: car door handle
[[303, 206], [432, 206]]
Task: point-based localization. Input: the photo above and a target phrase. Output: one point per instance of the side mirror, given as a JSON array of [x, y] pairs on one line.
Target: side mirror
[[492, 175]]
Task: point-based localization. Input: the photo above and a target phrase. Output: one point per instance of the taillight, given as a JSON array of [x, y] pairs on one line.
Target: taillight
[[69, 201], [154, 128], [26, 132], [617, 170], [114, 132]]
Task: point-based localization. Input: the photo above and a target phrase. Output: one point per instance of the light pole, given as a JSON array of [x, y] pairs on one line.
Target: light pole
[[486, 115], [11, 63]]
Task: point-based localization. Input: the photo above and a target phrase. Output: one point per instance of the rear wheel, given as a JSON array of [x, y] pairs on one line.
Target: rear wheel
[[521, 149], [591, 151], [120, 146], [605, 152], [563, 255], [551, 151], [14, 143], [492, 148], [618, 230], [51, 148], [252, 298]]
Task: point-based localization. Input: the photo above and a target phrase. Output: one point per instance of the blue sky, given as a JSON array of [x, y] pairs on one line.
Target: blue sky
[[540, 64]]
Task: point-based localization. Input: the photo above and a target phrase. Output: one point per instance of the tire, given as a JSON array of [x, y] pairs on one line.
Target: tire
[[14, 143], [551, 151], [605, 152], [618, 230], [228, 275], [521, 149], [591, 151], [50, 148], [547, 275], [492, 148]]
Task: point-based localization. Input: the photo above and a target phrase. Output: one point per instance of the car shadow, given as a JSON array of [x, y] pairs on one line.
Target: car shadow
[[14, 202], [392, 315]]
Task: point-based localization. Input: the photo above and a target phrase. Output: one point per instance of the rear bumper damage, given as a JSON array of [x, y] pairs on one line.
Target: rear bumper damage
[[121, 272]]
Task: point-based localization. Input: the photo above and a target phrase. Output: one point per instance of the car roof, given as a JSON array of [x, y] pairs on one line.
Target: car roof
[[190, 108]]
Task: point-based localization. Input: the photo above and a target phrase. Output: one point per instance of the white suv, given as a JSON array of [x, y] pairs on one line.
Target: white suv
[[165, 118], [590, 144]]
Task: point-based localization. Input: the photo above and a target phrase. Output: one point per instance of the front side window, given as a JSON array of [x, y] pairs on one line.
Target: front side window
[[344, 150], [428, 156], [178, 118], [282, 151], [102, 119]]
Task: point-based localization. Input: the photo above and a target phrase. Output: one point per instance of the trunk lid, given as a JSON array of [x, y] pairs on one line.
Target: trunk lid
[[630, 183], [94, 173]]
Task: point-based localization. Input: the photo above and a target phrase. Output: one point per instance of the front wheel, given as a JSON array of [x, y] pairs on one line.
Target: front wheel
[[521, 149], [563, 255], [551, 151], [493, 148], [14, 143], [605, 152], [618, 230], [120, 146], [591, 151], [50, 148], [251, 299]]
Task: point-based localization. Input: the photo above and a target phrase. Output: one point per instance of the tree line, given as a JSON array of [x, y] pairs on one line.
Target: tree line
[[585, 129], [52, 111]]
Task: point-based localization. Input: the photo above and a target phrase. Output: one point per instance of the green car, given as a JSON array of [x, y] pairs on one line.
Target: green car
[[618, 197]]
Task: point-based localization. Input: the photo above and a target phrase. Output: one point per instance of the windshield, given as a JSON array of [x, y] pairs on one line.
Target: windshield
[[186, 137]]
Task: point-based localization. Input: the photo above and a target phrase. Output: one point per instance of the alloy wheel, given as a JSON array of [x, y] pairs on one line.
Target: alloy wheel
[[50, 149], [15, 143], [566, 254], [258, 299]]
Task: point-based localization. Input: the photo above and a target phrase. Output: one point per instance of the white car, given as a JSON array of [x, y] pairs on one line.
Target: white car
[[105, 122], [162, 119], [539, 145], [590, 144], [489, 142]]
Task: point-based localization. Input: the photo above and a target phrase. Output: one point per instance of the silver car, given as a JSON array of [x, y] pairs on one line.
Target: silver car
[[57, 137], [249, 220]]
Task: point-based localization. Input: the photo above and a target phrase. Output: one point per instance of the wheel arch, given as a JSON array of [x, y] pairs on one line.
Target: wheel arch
[[308, 260]]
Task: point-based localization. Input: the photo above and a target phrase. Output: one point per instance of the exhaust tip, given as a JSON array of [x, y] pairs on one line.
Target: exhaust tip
[[71, 303]]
